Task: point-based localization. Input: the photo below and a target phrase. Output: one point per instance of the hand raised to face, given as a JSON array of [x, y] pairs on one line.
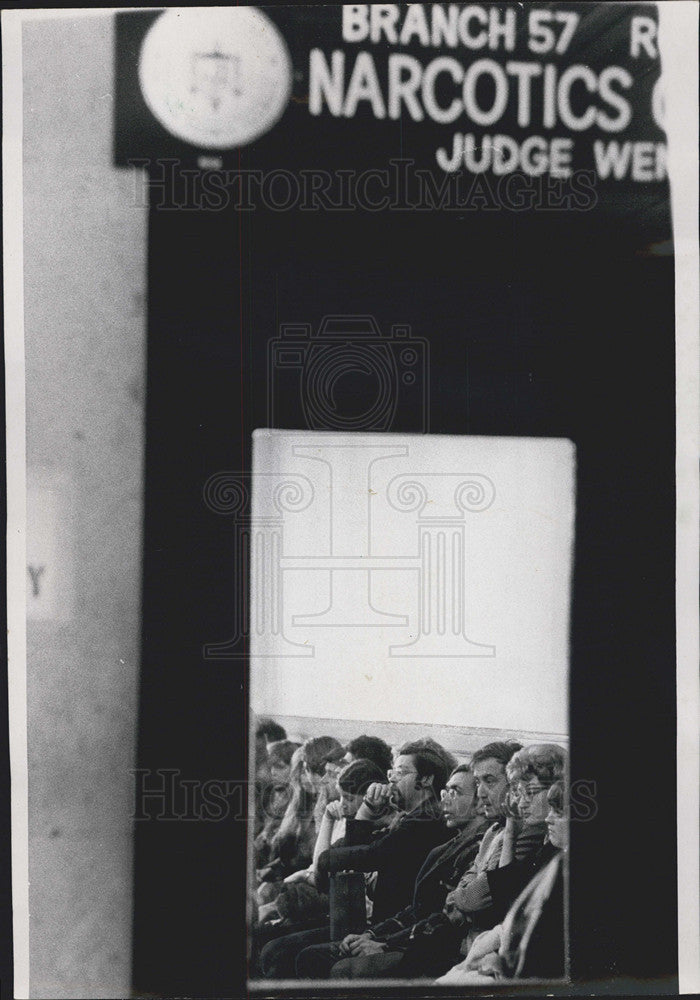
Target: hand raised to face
[[334, 810], [379, 796]]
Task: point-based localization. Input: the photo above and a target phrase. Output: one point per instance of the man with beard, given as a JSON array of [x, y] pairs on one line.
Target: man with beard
[[410, 804], [378, 951], [434, 943]]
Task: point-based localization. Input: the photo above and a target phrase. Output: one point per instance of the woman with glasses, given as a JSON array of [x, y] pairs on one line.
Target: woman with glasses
[[530, 943], [525, 849], [531, 772]]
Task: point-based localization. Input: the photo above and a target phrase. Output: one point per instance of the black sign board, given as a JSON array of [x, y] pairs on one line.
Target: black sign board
[[518, 106]]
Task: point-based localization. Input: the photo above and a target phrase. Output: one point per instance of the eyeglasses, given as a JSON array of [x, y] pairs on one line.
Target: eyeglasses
[[449, 793], [529, 792], [394, 773]]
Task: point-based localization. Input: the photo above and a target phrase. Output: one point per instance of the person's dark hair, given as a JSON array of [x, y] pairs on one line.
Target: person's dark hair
[[461, 769], [502, 751], [371, 748], [317, 750], [271, 730], [281, 752], [356, 778], [427, 762], [428, 743], [335, 755]]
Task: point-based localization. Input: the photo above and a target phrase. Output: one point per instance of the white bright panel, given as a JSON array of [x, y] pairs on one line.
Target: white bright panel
[[412, 579]]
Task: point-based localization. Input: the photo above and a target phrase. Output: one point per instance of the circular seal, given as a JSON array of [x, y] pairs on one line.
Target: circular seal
[[217, 77]]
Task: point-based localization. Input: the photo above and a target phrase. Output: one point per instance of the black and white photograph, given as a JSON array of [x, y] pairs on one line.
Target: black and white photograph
[[353, 427], [400, 819]]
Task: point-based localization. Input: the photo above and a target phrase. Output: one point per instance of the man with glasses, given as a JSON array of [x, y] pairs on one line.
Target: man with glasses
[[432, 944], [516, 850], [396, 827], [379, 951], [410, 799]]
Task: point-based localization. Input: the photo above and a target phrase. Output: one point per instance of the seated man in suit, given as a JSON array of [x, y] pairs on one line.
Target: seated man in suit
[[433, 944], [377, 951], [530, 942], [506, 862], [411, 804]]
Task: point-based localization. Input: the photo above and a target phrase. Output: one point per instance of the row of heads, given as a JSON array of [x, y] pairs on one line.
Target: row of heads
[[502, 778]]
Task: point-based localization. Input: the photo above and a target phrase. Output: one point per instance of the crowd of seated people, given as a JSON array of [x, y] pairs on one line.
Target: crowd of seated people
[[457, 868]]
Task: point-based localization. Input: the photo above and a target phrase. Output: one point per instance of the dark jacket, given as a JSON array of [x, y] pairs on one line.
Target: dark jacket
[[543, 956], [506, 884], [439, 873], [434, 944], [395, 854]]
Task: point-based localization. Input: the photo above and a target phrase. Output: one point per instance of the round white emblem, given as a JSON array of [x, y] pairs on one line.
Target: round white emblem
[[216, 77]]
